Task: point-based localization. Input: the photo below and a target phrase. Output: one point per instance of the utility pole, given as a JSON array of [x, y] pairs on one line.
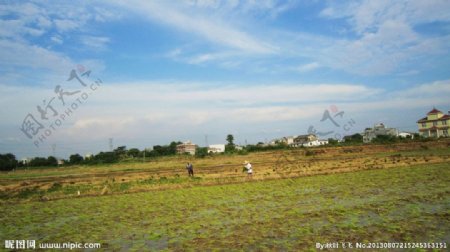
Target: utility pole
[[145, 150], [206, 140], [111, 144]]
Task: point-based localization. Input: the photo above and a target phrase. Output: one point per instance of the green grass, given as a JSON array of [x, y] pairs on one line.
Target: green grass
[[401, 204]]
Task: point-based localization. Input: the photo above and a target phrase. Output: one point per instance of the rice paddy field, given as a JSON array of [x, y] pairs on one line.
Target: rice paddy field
[[296, 199]]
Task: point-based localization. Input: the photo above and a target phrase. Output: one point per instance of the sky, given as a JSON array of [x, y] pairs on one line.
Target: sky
[[78, 77]]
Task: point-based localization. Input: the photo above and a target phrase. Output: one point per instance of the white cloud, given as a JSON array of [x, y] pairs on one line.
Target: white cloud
[[95, 42], [109, 126], [434, 89], [38, 61], [57, 39], [212, 29], [64, 25], [270, 8], [146, 109], [161, 108], [369, 15], [385, 36], [20, 54], [308, 67], [163, 95]]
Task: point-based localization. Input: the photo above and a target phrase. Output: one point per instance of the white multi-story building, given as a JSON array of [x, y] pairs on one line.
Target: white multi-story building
[[378, 130], [216, 148]]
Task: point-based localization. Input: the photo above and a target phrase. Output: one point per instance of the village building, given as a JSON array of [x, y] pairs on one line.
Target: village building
[[238, 147], [378, 130], [60, 161], [216, 148], [406, 135], [289, 140], [186, 147], [435, 124], [25, 161], [309, 140]]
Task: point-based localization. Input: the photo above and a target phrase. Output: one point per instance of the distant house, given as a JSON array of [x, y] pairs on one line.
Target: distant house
[[25, 161], [238, 147], [289, 140], [275, 142], [406, 135], [186, 147], [378, 130], [216, 148], [60, 161], [309, 140], [435, 124]]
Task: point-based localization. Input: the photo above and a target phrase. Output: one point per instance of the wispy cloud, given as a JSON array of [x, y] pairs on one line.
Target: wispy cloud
[[369, 15], [208, 27], [308, 67], [95, 42], [31, 35], [144, 109], [383, 40], [163, 106]]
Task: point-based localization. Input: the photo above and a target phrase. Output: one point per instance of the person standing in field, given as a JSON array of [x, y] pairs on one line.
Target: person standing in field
[[190, 169], [249, 169]]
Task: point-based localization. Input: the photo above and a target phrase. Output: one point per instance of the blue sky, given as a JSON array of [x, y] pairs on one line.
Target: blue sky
[[181, 70]]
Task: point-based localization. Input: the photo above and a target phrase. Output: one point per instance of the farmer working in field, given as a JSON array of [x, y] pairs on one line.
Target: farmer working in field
[[190, 169], [248, 168]]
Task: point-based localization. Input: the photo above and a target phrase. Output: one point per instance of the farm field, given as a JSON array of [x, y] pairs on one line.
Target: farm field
[[297, 198], [169, 172], [406, 204]]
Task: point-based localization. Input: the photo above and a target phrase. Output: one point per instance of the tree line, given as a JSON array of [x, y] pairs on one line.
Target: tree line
[[9, 162], [122, 154]]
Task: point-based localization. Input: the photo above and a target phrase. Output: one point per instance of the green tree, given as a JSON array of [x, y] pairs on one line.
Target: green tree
[[201, 152], [7, 162], [230, 147], [134, 152], [230, 139], [332, 141], [106, 157], [121, 151], [355, 138], [39, 161], [52, 161], [384, 139], [75, 159], [173, 147], [159, 150]]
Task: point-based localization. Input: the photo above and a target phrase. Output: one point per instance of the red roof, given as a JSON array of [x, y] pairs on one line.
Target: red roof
[[434, 111]]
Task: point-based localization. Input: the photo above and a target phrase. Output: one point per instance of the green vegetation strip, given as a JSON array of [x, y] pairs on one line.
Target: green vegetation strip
[[392, 205]]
